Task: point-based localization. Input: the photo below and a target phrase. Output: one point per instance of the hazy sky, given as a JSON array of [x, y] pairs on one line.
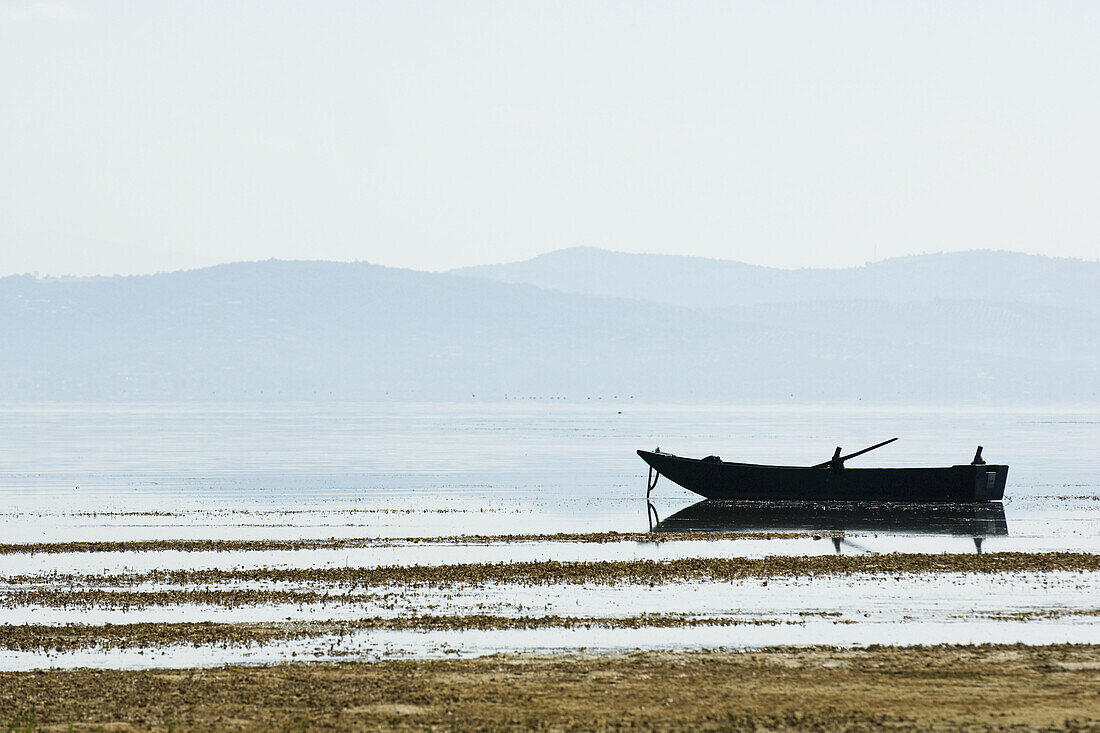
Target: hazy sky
[[144, 136]]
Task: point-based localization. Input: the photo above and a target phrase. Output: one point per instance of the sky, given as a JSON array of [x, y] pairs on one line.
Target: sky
[[149, 136]]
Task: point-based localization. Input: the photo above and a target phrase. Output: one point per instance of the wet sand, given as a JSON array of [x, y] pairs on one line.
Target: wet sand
[[605, 572], [151, 635], [924, 688], [345, 543], [252, 587], [40, 637], [192, 617]]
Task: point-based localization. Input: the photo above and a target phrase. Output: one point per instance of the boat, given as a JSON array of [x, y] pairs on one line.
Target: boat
[[713, 478]]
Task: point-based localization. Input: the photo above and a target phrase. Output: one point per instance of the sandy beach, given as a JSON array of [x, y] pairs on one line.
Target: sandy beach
[[974, 688]]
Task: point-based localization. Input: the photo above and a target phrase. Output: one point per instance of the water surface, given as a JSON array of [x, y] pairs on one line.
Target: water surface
[[187, 471]]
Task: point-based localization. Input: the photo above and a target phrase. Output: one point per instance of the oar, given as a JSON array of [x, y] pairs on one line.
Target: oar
[[841, 459]]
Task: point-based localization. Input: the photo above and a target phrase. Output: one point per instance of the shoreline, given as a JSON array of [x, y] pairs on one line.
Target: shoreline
[[152, 636], [987, 687], [604, 572], [346, 543]]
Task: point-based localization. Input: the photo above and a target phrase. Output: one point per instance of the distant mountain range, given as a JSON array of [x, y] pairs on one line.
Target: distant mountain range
[[975, 327], [696, 282]]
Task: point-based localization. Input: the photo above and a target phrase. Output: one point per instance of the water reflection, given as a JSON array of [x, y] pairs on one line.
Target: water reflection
[[834, 519]]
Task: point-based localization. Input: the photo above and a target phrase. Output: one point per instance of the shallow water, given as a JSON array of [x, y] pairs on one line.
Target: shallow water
[[140, 472]]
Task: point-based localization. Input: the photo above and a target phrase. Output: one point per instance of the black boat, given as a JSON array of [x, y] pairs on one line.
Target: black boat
[[714, 478]]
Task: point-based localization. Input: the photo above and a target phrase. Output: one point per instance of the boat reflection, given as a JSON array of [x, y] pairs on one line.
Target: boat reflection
[[835, 519]]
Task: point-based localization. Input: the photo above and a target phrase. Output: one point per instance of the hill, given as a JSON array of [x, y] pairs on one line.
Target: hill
[[696, 282], [348, 331]]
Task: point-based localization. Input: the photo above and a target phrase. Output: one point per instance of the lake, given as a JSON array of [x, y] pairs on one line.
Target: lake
[[319, 471]]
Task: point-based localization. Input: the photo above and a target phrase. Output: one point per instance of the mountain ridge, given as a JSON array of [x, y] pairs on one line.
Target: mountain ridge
[[283, 330], [703, 283]]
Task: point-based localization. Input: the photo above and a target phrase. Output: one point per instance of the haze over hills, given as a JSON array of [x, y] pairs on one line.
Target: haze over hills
[[276, 330], [696, 282]]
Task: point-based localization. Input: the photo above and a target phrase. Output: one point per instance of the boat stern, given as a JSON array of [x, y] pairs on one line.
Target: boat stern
[[989, 482]]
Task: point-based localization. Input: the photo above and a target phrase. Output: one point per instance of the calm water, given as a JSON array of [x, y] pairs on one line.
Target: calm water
[[532, 467], [98, 472]]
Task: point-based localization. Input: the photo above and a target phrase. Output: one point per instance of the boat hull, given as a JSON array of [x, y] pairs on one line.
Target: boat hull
[[725, 480]]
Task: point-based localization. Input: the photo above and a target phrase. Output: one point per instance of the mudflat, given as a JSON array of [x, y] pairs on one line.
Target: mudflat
[[991, 687]]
